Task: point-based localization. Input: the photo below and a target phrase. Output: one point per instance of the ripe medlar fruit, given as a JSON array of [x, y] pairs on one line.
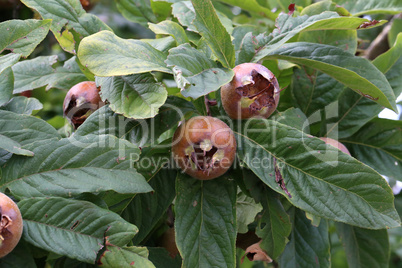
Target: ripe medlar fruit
[[336, 144], [10, 225], [204, 147], [81, 100], [253, 91]]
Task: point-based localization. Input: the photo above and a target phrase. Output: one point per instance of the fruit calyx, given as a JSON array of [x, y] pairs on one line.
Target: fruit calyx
[[259, 90], [204, 156]]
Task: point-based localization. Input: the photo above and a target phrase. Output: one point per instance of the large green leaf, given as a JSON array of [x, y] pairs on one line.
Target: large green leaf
[[289, 26], [25, 129], [71, 227], [38, 72], [125, 257], [136, 96], [22, 105], [355, 110], [274, 226], [136, 11], [205, 221], [379, 141], [106, 54], [13, 147], [319, 178], [362, 7], [308, 246], [195, 74], [355, 72], [22, 36], [67, 15], [363, 247], [210, 27], [69, 167]]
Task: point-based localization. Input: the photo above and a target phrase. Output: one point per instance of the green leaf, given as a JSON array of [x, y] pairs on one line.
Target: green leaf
[[355, 110], [363, 7], [246, 211], [136, 11], [355, 72], [22, 105], [64, 182], [142, 132], [363, 247], [23, 36], [252, 6], [185, 13], [379, 141], [354, 193], [195, 74], [313, 90], [396, 29], [71, 227], [289, 26], [274, 226], [13, 147], [105, 54], [38, 72], [171, 28], [205, 221], [83, 165], [25, 129], [6, 85], [145, 210], [8, 60], [210, 27], [67, 15], [160, 258], [125, 257], [308, 246], [136, 96], [386, 60]]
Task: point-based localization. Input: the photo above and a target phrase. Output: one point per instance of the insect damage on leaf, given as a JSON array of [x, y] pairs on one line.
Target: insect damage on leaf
[[368, 24], [279, 179], [261, 90]]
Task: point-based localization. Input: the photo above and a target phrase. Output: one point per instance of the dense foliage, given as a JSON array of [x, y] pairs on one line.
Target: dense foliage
[[109, 194]]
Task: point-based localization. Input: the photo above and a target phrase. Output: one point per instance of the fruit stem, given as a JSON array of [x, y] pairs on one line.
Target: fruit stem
[[206, 101]]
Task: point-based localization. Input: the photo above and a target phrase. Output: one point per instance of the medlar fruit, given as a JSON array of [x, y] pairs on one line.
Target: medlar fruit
[[81, 100], [10, 225], [204, 147], [253, 91], [336, 144]]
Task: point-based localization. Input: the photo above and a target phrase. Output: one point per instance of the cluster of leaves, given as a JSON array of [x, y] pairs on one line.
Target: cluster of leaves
[[103, 195]]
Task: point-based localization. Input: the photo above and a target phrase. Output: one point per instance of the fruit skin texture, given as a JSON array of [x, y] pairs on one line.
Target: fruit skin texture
[[253, 92], [336, 144], [10, 225], [81, 100], [204, 147]]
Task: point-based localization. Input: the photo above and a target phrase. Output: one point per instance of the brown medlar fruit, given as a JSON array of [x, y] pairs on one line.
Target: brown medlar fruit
[[253, 91], [10, 225], [204, 147], [81, 100]]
